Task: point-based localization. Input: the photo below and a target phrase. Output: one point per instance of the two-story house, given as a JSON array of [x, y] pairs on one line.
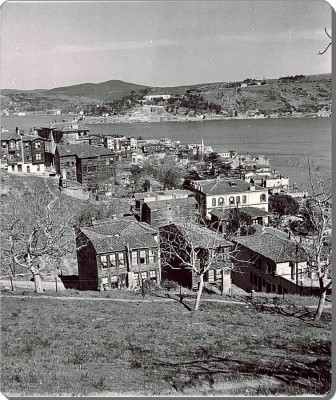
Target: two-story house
[[227, 193], [180, 242], [22, 153], [268, 263], [60, 132], [117, 254], [162, 212], [85, 163], [145, 197]]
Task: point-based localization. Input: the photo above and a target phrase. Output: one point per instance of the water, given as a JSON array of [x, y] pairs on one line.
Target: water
[[287, 142]]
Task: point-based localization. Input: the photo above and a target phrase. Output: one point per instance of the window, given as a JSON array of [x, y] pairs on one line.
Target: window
[[121, 260], [26, 146], [142, 257], [221, 201], [92, 168], [68, 163], [103, 260], [263, 197], [152, 275], [113, 260], [151, 256], [12, 145], [19, 168], [13, 168], [17, 155], [213, 202], [144, 275], [38, 156], [211, 275], [136, 277], [231, 200], [114, 281], [244, 199], [4, 145], [134, 257], [73, 163], [27, 157], [18, 145], [104, 280], [238, 199], [37, 145], [107, 160], [218, 273]]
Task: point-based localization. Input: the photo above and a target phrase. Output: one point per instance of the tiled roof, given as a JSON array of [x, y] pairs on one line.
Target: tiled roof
[[225, 186], [161, 204], [83, 150], [115, 235], [200, 236], [143, 195], [15, 136], [273, 247]]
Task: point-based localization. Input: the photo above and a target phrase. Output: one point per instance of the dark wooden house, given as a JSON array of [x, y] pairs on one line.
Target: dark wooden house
[[85, 163], [163, 212], [22, 153], [176, 241], [269, 263], [117, 254]]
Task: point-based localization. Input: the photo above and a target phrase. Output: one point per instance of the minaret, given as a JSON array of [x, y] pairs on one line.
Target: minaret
[[202, 150]]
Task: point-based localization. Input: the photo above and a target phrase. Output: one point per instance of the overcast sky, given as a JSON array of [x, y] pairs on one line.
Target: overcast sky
[[50, 44]]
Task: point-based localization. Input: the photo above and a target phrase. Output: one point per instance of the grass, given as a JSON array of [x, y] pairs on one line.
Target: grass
[[60, 347]]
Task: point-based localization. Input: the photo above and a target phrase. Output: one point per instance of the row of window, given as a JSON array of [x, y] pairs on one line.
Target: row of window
[[138, 276], [235, 200], [17, 145], [137, 257], [18, 155], [19, 167]]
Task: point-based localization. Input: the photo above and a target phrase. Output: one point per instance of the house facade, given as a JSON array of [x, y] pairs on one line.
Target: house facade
[[162, 212], [60, 132], [220, 193], [145, 197], [22, 153], [269, 263], [117, 254], [176, 241], [87, 164]]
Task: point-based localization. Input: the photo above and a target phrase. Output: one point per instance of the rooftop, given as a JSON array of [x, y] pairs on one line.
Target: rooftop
[[161, 204], [253, 212], [225, 186], [273, 247], [83, 150], [199, 236], [143, 195], [116, 235]]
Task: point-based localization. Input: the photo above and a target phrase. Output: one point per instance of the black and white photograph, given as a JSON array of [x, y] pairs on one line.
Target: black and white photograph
[[166, 198]]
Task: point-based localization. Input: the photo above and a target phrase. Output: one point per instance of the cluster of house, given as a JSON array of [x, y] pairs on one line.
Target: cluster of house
[[130, 248], [126, 250]]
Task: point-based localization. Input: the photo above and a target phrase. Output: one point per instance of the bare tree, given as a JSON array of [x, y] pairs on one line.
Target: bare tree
[[186, 245], [329, 36], [316, 227], [36, 232]]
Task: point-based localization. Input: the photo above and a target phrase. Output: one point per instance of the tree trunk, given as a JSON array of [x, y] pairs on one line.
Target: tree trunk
[[38, 283], [199, 292], [321, 301]]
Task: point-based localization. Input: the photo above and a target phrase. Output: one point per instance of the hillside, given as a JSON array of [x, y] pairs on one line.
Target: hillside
[[305, 94]]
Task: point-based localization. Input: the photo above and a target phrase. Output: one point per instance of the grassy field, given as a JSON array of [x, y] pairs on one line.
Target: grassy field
[[85, 347]]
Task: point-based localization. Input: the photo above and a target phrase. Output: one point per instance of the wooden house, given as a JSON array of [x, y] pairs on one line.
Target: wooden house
[[176, 242], [269, 263], [117, 254], [163, 212], [22, 153], [87, 164]]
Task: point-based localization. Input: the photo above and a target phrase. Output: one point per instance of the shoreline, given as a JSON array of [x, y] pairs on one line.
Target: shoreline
[[115, 120]]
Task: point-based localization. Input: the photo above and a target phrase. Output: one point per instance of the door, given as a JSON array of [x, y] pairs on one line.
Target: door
[[259, 284]]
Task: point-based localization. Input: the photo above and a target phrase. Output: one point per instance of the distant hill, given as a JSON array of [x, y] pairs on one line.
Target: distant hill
[[315, 89], [106, 91]]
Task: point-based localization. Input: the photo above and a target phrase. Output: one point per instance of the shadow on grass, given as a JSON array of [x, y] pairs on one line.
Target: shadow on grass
[[314, 377]]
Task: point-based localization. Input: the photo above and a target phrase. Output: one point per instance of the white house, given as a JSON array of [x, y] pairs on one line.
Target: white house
[[228, 193]]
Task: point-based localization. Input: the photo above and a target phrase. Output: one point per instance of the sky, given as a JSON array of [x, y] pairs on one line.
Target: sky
[[160, 43]]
